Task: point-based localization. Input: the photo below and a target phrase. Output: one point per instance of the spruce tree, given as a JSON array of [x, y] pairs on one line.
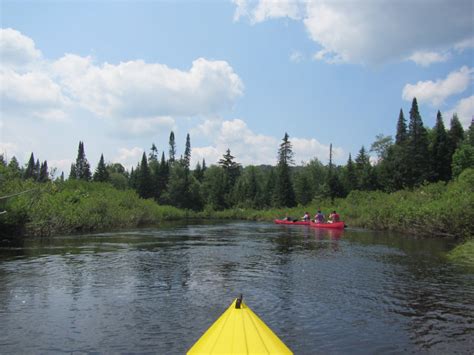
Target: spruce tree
[[401, 136], [43, 174], [440, 152], [187, 153], [83, 170], [417, 156], [269, 189], [350, 176], [144, 181], [30, 168], [231, 169], [172, 150], [101, 173], [363, 171], [14, 168], [37, 170], [163, 177], [3, 162], [72, 172], [284, 194], [198, 172], [470, 133], [456, 134]]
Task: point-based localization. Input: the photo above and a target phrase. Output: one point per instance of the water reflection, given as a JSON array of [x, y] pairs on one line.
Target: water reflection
[[157, 290]]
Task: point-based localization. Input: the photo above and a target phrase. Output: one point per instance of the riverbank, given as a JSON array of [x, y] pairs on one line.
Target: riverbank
[[76, 207]]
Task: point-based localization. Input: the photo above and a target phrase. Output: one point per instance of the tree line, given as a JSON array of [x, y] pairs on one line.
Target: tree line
[[416, 156]]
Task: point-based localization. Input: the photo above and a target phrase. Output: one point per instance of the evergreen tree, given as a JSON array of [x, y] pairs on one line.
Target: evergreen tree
[[37, 170], [101, 173], [3, 162], [61, 178], [440, 152], [363, 171], [204, 165], [401, 136], [284, 194], [14, 168], [163, 177], [172, 151], [269, 189], [72, 172], [456, 134], [470, 133], [144, 181], [83, 171], [253, 188], [350, 176], [336, 189], [43, 174], [187, 153], [198, 172], [417, 157], [214, 187], [303, 189], [231, 169], [153, 156], [30, 168]]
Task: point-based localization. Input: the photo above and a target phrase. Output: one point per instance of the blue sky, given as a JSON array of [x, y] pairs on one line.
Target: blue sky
[[120, 75]]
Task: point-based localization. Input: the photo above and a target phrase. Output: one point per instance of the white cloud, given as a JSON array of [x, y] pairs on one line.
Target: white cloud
[[142, 127], [465, 44], [16, 50], [139, 89], [372, 32], [33, 93], [465, 111], [129, 157], [250, 148], [427, 58], [61, 165], [437, 91], [296, 56], [8, 149]]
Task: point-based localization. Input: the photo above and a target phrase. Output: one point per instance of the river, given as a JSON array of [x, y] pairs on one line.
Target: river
[[156, 290]]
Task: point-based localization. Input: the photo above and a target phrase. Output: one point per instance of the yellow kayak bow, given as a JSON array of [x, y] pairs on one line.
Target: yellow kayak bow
[[239, 331]]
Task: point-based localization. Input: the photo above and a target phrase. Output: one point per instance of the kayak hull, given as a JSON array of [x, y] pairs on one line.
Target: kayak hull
[[239, 331], [335, 225], [297, 223]]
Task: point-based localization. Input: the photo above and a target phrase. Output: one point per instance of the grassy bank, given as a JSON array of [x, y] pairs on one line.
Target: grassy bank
[[432, 210], [75, 207]]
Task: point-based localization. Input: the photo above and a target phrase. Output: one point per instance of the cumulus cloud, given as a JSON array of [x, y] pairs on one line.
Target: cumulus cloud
[[146, 127], [437, 91], [372, 32], [427, 58], [128, 90], [139, 89], [16, 50], [129, 157], [252, 148], [296, 56], [465, 111]]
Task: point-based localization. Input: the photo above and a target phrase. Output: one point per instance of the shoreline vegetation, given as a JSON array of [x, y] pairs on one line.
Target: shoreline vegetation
[[420, 183], [73, 206]]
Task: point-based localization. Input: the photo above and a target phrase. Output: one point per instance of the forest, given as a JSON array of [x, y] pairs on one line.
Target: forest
[[162, 186]]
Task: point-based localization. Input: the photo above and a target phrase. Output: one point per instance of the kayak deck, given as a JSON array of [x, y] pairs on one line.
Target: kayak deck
[[239, 331]]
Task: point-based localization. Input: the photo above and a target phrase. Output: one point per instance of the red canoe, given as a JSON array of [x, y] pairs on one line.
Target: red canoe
[[297, 223], [335, 225]]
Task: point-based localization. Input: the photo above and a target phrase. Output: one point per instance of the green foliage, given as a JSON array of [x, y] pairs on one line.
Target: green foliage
[[101, 173], [284, 194], [463, 254], [82, 167], [440, 152], [463, 158]]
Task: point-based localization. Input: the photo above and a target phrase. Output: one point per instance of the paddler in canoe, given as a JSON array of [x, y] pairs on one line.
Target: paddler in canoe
[[319, 217], [334, 217]]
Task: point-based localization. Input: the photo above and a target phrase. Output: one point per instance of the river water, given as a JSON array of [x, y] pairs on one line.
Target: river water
[[157, 290]]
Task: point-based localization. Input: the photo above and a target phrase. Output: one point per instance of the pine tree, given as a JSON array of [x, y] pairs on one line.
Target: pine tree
[[101, 174], [172, 151], [144, 181], [30, 168], [401, 136], [43, 174], [440, 152], [417, 156], [470, 133], [14, 168], [198, 172], [269, 189], [284, 194], [163, 177], [153, 156], [83, 170], [3, 162]]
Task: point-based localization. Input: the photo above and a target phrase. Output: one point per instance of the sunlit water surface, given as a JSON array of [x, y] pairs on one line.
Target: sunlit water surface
[[157, 290]]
